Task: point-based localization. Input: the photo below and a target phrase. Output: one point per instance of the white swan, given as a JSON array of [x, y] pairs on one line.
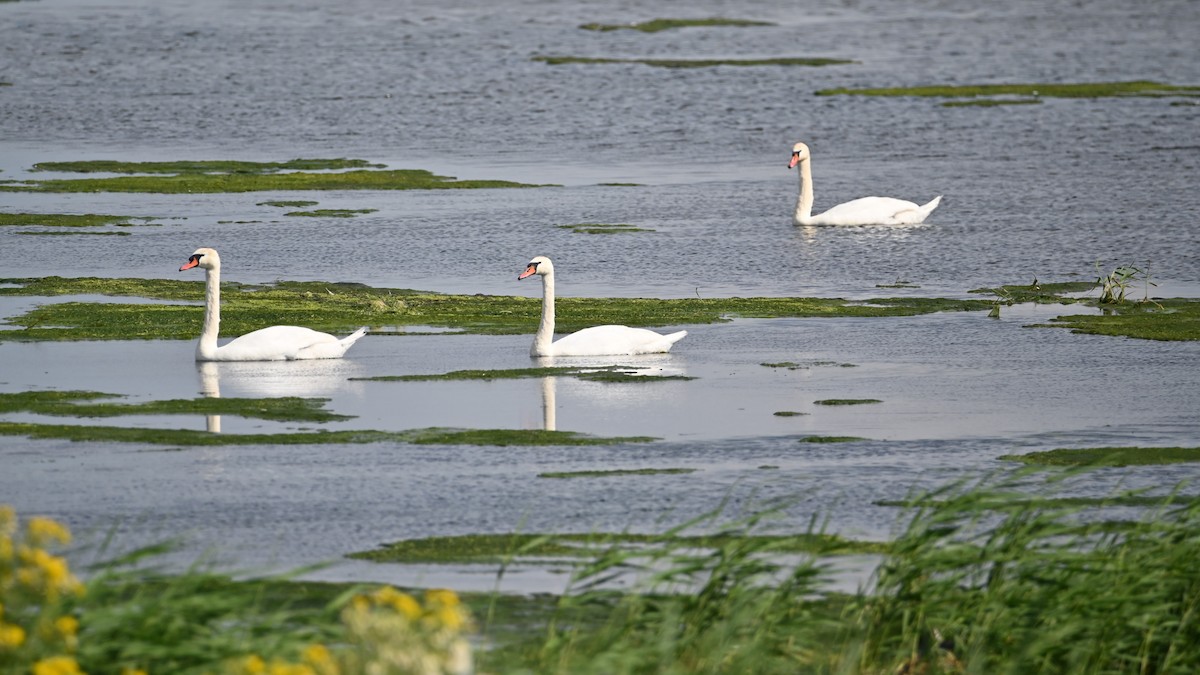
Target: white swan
[[594, 341], [277, 343], [864, 211]]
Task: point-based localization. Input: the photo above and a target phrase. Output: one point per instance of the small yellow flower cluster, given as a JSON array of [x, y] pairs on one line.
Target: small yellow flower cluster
[[36, 633], [387, 633]]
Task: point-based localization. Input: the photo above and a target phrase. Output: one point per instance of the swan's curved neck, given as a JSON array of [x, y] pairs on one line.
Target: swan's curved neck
[[545, 331], [207, 347], [804, 202]]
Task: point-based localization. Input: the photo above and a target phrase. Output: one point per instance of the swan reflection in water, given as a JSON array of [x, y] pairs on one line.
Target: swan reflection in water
[[548, 403], [210, 387]]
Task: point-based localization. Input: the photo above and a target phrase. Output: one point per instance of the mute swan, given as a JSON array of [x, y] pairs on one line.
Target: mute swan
[[594, 341], [277, 343], [864, 211]]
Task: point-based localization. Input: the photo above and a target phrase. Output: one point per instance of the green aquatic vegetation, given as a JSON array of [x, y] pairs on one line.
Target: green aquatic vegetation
[[595, 373], [331, 213], [70, 233], [990, 103], [1044, 90], [613, 472], [1039, 292], [68, 219], [656, 25], [81, 404], [1174, 319], [788, 413], [898, 284], [846, 401], [284, 203], [792, 365], [209, 183], [602, 228], [831, 439], [1120, 456], [499, 548], [204, 166], [432, 436], [695, 63], [335, 308], [1020, 501]]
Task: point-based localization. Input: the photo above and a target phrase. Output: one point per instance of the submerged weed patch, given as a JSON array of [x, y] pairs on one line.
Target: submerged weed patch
[[613, 472], [1174, 319], [594, 373], [1044, 90], [335, 307], [82, 404], [171, 178], [847, 401], [432, 436], [656, 25], [1121, 456], [284, 203], [695, 63], [68, 220], [602, 228], [204, 166], [331, 213], [831, 439]]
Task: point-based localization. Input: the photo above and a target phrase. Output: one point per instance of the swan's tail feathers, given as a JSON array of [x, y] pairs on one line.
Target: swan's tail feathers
[[672, 338], [933, 204], [353, 337]]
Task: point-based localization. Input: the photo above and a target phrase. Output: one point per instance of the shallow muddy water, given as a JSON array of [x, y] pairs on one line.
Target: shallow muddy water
[[1062, 190]]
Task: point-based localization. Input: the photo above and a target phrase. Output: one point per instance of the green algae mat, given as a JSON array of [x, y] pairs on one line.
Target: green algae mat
[[221, 176], [338, 307]]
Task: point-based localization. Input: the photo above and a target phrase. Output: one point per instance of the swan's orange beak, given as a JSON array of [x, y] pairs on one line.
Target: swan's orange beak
[[529, 271], [192, 262], [795, 160]]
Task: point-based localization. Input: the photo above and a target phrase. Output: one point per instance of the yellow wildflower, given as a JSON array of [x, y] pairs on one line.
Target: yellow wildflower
[[403, 603], [320, 659], [57, 665], [11, 636], [41, 531], [8, 521], [254, 665]]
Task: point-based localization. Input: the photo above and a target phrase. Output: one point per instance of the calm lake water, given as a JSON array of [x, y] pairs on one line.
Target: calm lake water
[[1053, 191]]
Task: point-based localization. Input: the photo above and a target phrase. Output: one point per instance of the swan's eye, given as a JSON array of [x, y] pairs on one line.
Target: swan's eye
[[196, 258]]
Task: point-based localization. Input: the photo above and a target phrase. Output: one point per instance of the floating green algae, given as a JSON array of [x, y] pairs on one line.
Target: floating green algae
[[70, 233], [695, 63], [656, 25], [595, 373], [1044, 90], [284, 203], [82, 404], [204, 166], [1117, 456], [256, 181], [603, 228], [831, 439], [68, 219], [847, 401], [613, 472], [499, 548], [433, 436], [792, 365], [788, 413], [336, 307], [1174, 319], [331, 213], [990, 103]]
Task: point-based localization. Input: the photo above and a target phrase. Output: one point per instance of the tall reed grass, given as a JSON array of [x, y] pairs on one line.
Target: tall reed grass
[[990, 576]]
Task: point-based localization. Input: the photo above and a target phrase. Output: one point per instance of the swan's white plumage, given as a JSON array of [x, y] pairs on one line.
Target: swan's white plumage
[[864, 211], [609, 340], [276, 343]]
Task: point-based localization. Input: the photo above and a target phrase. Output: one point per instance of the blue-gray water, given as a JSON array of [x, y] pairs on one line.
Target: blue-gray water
[[1054, 191]]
